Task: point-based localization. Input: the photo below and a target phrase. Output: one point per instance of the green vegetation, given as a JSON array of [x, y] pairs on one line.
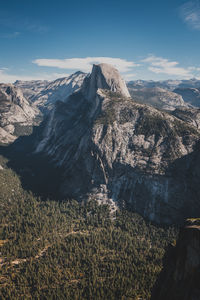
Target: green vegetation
[[183, 129], [70, 250], [21, 130], [109, 115], [151, 124]]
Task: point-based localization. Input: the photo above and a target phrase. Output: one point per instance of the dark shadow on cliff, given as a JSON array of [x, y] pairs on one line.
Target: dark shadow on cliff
[[165, 278], [180, 276], [187, 171], [36, 171]]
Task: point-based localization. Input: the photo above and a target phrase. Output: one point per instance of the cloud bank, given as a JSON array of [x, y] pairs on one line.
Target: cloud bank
[[160, 65], [86, 63], [154, 64]]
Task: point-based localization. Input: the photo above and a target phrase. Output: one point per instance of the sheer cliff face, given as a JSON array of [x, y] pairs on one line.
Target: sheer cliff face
[[115, 150], [180, 277], [14, 109], [104, 77], [44, 94]]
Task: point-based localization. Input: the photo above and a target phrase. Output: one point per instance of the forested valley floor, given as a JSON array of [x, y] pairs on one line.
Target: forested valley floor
[[52, 249]]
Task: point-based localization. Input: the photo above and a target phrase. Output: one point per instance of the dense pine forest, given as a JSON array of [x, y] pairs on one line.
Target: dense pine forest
[[52, 249]]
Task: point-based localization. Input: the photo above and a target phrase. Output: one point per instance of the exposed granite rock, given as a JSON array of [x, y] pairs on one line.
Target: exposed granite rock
[[165, 84], [114, 149], [189, 115], [104, 77], [190, 95], [31, 88], [14, 110], [44, 94], [157, 97], [180, 277]]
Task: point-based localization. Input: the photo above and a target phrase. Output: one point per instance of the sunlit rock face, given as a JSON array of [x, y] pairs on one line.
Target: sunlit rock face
[[118, 151], [105, 77]]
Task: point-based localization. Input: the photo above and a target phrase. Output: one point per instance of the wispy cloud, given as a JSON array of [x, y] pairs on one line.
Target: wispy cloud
[[160, 65], [190, 14], [86, 63], [7, 77], [157, 65]]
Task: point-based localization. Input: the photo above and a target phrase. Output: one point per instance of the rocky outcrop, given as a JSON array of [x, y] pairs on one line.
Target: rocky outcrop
[[15, 111], [44, 94], [104, 77], [180, 277], [31, 88], [189, 115], [158, 98], [116, 150], [165, 84], [190, 95]]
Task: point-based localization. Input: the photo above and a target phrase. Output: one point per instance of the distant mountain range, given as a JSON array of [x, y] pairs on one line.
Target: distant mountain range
[[165, 95], [166, 84], [44, 94]]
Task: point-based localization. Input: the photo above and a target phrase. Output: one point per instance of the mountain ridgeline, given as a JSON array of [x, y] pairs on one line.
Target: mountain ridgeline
[[118, 151], [44, 94]]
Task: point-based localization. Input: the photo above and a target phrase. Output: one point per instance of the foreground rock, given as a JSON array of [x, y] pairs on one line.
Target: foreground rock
[[180, 278], [118, 151]]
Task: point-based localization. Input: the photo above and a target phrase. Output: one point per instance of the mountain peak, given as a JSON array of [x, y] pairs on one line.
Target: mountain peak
[[105, 76]]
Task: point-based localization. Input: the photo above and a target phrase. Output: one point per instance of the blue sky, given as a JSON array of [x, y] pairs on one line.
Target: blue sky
[[144, 39]]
